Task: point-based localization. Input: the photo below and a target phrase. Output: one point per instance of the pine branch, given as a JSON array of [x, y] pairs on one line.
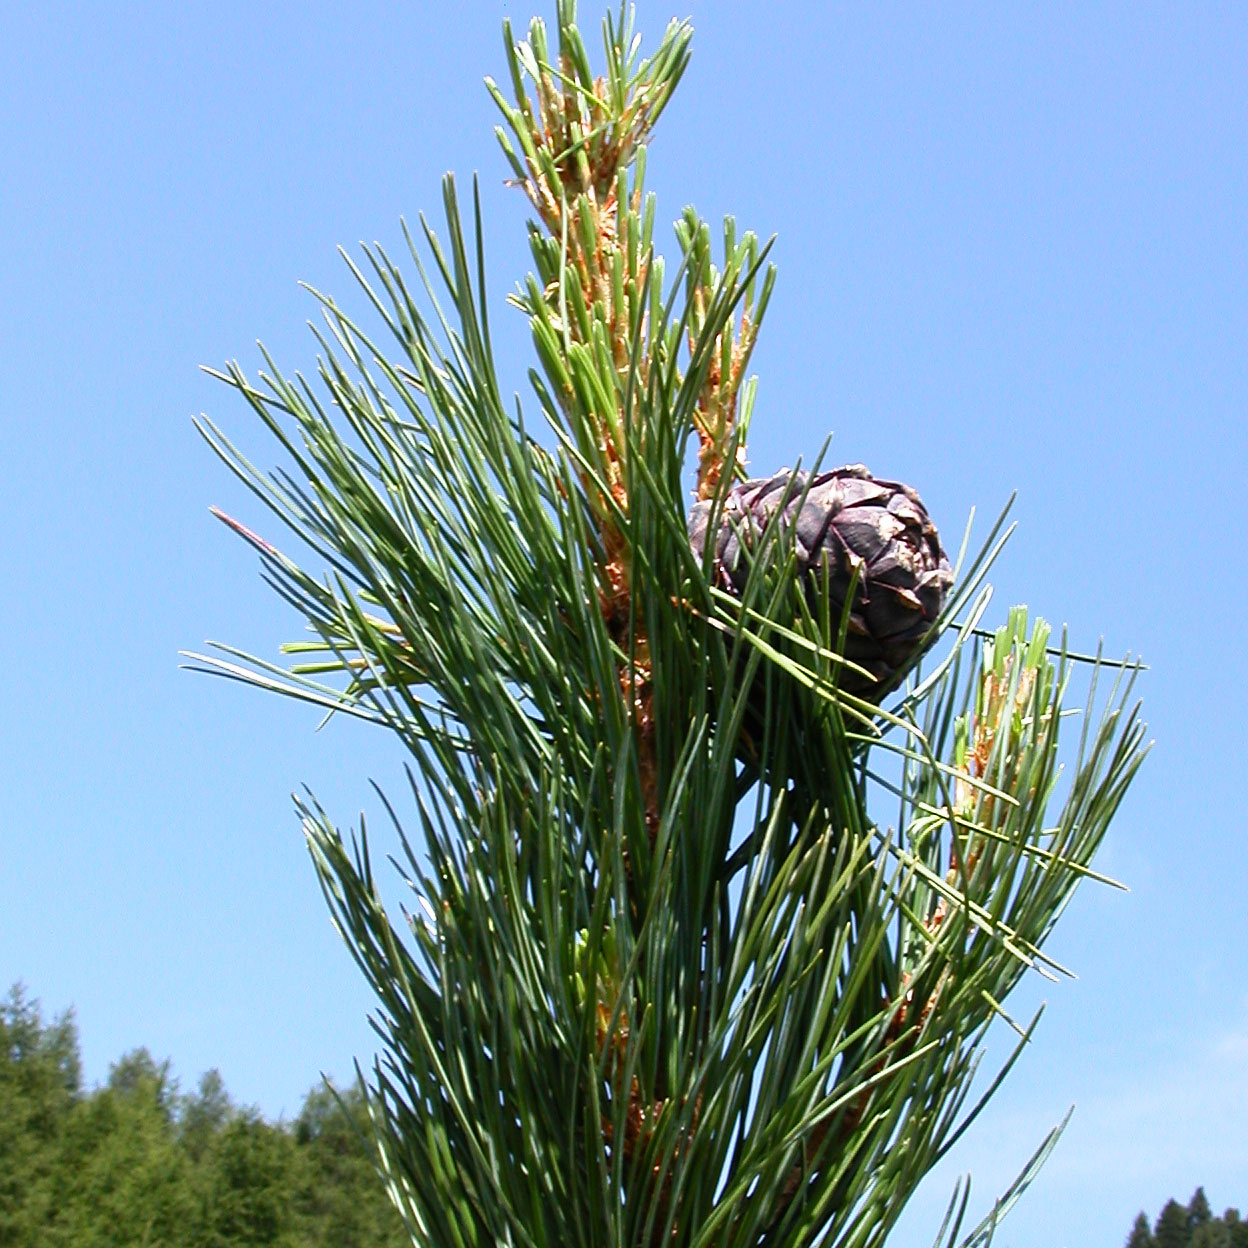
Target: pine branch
[[670, 976]]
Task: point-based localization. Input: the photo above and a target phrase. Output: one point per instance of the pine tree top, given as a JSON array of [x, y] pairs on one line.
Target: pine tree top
[[708, 934]]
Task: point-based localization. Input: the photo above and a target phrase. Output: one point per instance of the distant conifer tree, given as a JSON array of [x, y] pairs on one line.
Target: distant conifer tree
[[1237, 1227], [1172, 1229], [1198, 1211]]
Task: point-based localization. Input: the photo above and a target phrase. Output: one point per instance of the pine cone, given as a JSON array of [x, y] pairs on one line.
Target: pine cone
[[845, 520]]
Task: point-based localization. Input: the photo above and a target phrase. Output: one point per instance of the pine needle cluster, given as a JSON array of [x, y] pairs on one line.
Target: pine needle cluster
[[703, 949]]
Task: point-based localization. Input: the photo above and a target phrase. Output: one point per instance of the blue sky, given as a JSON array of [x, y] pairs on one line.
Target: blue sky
[[1012, 254]]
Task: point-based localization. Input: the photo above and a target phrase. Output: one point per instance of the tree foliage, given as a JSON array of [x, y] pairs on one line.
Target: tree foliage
[[136, 1163], [1190, 1226], [704, 948]]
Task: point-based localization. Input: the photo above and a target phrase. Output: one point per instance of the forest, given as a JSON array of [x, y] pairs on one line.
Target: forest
[[136, 1161], [1189, 1226]]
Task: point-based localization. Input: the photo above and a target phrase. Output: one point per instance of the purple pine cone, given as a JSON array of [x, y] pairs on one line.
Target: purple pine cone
[[845, 520]]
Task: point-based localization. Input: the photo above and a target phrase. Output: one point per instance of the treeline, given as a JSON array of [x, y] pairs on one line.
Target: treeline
[[1190, 1226], [137, 1162]]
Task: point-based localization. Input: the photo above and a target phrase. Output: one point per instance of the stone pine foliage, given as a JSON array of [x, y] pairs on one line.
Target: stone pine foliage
[[706, 939], [137, 1162], [1189, 1226]]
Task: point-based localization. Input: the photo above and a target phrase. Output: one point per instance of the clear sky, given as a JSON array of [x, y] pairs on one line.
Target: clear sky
[[1013, 253]]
